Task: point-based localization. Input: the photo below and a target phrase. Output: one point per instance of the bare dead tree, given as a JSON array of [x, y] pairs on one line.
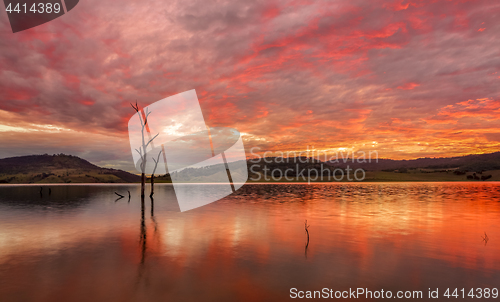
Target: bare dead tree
[[143, 150], [153, 174]]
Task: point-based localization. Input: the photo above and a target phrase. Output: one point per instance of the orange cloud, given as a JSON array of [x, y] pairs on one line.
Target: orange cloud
[[408, 86], [333, 74]]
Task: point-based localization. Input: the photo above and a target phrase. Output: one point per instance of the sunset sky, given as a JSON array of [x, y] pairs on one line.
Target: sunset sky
[[406, 78]]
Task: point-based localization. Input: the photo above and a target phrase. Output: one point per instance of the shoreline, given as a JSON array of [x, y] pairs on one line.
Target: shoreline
[[255, 183]]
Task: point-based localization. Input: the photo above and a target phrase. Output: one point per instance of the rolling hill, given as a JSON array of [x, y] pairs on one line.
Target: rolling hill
[[59, 168], [467, 163], [62, 168]]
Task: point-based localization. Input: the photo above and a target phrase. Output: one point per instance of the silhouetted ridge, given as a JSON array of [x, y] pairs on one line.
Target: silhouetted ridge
[[58, 168]]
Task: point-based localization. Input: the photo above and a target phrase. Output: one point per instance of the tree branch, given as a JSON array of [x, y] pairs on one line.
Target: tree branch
[[156, 162], [136, 107], [152, 139], [146, 116]]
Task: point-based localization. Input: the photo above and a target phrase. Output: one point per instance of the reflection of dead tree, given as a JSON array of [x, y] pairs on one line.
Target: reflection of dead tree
[[152, 207], [153, 214], [143, 234], [143, 276], [153, 175], [143, 268], [142, 151], [142, 244], [485, 238]]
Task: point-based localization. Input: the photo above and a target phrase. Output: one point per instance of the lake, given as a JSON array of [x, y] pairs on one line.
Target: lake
[[82, 244]]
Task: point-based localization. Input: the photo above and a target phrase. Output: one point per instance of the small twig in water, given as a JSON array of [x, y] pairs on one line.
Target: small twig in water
[[307, 232], [485, 238]]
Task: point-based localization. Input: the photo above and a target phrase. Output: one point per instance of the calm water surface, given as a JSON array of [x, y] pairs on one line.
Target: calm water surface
[[81, 244]]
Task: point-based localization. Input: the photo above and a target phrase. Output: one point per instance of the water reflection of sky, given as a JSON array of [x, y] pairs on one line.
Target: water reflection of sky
[[79, 244]]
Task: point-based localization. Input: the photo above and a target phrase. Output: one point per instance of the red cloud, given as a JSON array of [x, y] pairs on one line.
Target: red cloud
[[333, 73]]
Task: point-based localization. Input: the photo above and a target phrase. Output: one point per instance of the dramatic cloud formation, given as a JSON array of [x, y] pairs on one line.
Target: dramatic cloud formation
[[407, 78]]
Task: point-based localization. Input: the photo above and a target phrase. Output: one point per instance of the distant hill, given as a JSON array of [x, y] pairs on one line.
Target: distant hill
[[62, 168], [462, 168], [468, 163], [296, 168], [58, 168]]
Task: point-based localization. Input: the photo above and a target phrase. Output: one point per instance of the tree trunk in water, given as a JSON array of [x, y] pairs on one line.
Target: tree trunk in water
[[152, 185], [143, 183]]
